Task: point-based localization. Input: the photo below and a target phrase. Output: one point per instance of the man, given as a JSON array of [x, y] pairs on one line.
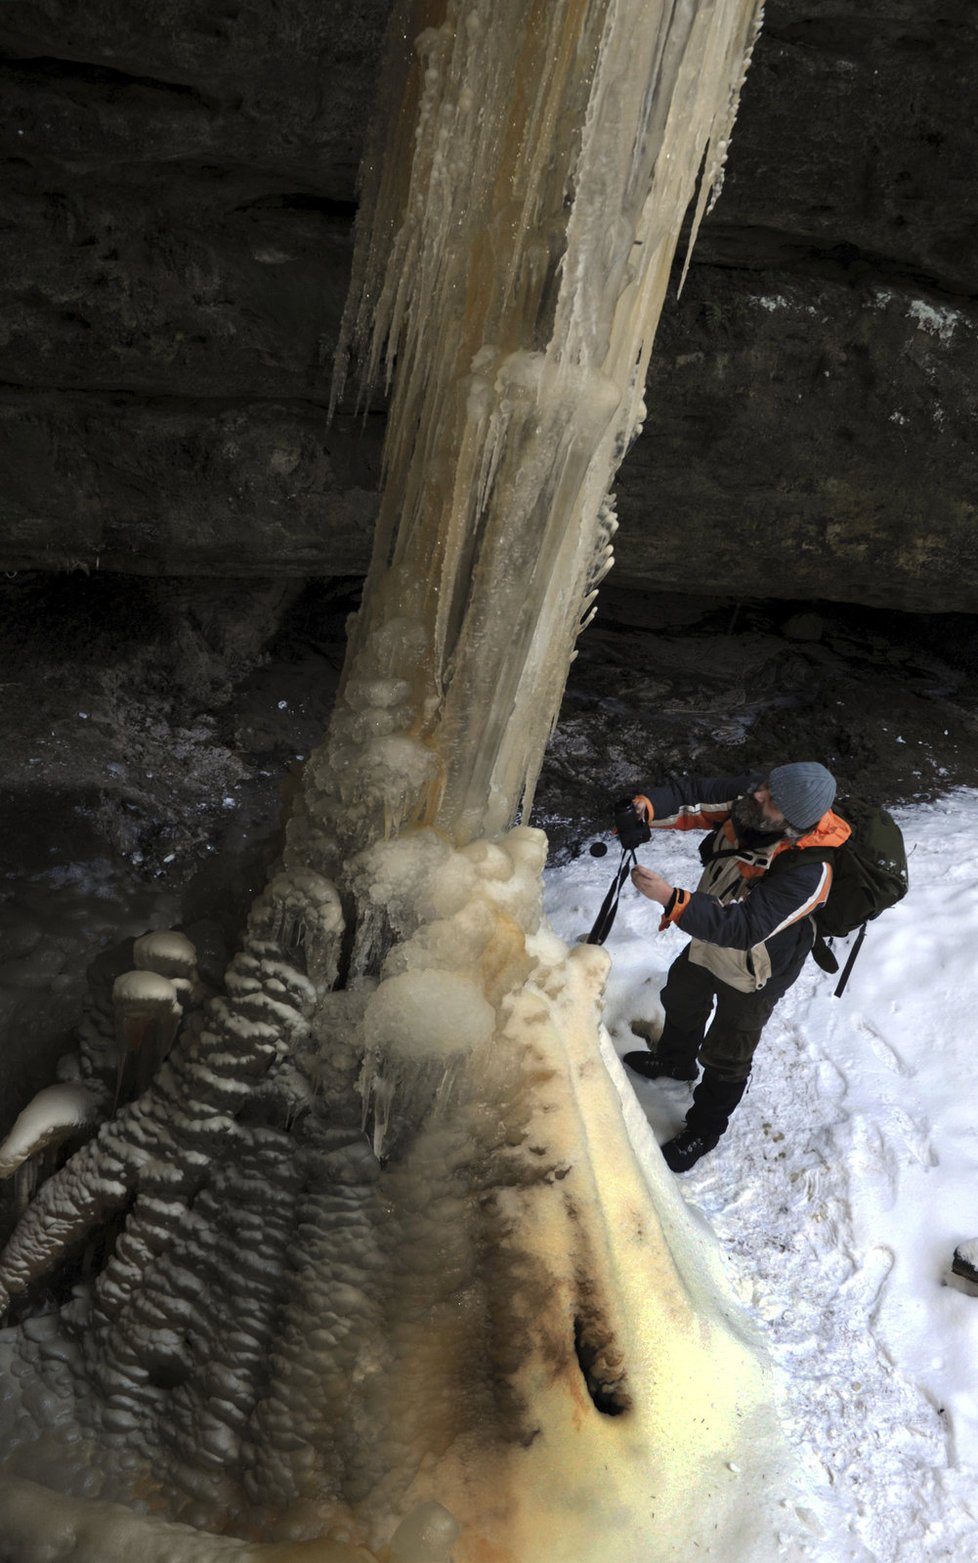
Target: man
[[767, 866]]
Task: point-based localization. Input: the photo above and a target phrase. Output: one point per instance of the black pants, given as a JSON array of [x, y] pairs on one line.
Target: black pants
[[728, 1046]]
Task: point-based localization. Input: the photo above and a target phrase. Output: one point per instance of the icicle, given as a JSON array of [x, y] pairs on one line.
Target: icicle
[[25, 1183], [148, 1013]]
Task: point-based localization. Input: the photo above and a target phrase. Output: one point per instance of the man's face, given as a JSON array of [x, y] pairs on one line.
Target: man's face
[[756, 811], [772, 814]]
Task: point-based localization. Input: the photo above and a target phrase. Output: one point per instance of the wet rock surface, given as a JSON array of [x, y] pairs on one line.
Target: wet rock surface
[[809, 437], [178, 196]]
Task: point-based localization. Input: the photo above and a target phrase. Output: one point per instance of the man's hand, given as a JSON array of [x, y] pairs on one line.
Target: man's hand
[[651, 884]]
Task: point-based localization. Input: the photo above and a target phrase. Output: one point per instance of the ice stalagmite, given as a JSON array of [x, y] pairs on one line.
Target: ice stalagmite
[[394, 1264]]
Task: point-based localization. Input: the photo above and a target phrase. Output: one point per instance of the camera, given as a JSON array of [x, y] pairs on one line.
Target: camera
[[632, 829], [631, 825]]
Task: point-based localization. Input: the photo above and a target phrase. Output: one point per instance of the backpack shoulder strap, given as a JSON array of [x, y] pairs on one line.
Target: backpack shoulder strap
[[789, 857], [821, 953]]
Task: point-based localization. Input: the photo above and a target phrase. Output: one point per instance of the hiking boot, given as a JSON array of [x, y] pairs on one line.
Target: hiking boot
[[685, 1150], [651, 1067], [713, 1101]]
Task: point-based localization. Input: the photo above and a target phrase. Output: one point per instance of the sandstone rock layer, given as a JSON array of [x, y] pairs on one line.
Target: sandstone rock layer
[[178, 199]]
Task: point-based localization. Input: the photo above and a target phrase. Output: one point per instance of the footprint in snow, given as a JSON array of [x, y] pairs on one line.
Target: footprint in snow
[[865, 1152], [915, 1138], [864, 1288], [883, 1051]]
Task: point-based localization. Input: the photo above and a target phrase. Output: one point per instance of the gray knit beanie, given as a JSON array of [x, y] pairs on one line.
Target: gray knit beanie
[[802, 792]]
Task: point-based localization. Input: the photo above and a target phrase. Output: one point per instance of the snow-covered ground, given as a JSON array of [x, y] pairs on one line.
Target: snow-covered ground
[[847, 1177]]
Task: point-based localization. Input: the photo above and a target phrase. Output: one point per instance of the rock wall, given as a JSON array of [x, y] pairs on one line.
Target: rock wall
[[813, 395], [177, 203]]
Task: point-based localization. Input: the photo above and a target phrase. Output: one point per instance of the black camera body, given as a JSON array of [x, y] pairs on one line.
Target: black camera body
[[632, 827]]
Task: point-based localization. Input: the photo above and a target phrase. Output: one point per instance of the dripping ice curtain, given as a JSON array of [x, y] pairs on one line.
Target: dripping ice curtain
[[522, 201]]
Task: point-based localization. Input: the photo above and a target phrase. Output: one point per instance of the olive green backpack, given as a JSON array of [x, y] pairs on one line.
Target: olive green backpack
[[869, 875]]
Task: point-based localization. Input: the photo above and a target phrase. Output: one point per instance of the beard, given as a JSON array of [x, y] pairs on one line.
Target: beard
[[748, 814]]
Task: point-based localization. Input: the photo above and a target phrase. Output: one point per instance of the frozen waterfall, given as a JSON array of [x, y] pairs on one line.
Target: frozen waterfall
[[383, 1262]]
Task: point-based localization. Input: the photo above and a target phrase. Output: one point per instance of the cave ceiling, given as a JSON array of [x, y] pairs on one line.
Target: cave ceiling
[[178, 198]]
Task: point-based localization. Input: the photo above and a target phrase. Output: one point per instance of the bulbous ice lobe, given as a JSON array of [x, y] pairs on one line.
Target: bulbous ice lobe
[[54, 1114]]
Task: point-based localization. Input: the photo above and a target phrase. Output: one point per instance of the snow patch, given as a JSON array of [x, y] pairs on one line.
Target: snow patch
[[846, 1182], [938, 320]]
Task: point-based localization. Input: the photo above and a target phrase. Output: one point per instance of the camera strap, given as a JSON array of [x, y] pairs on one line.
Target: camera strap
[[609, 906]]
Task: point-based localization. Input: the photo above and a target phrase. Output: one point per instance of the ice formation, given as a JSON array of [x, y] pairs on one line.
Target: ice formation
[[382, 1260], [519, 222], [167, 952], [58, 1115]]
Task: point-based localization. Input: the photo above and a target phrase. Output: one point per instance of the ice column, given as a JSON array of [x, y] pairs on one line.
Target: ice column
[[521, 210]]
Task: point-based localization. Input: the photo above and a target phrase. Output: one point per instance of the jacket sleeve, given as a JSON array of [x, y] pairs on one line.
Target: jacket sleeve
[[772, 904], [697, 802]]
